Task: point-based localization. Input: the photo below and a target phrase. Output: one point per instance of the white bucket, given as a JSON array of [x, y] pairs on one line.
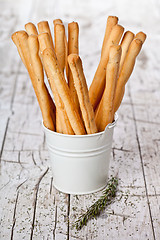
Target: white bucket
[[80, 163]]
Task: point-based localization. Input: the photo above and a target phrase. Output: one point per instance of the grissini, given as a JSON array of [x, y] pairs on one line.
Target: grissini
[[56, 21], [62, 122], [46, 101], [57, 80], [75, 65], [142, 36], [73, 48], [41, 92], [59, 114], [43, 26], [59, 41], [126, 71], [111, 22], [17, 43], [98, 84], [126, 41], [73, 38], [31, 29], [59, 21], [44, 41], [105, 111]]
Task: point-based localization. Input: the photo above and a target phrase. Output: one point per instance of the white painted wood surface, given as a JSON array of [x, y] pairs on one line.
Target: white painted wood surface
[[30, 207]]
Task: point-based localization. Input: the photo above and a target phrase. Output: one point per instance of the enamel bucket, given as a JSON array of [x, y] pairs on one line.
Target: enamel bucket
[[80, 163]]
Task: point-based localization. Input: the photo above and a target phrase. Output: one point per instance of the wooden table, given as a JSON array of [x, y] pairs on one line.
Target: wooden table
[[30, 207]]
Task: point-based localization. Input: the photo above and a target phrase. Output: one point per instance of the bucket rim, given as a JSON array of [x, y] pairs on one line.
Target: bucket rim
[[109, 126]]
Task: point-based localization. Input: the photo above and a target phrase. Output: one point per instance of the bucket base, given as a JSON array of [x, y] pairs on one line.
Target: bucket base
[[78, 193]]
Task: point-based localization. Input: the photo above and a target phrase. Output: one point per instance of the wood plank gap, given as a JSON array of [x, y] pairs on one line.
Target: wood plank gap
[[68, 213], [51, 185], [121, 149], [14, 216], [35, 201], [55, 225], [4, 138], [33, 159], [142, 164], [20, 185]]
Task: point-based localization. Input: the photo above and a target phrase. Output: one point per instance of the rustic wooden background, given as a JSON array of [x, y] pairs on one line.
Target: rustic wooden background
[[30, 207]]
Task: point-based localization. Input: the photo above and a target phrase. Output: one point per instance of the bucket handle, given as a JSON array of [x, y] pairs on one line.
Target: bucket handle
[[111, 125]]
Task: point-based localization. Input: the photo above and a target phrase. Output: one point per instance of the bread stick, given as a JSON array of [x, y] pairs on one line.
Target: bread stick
[[58, 122], [59, 21], [62, 122], [44, 41], [126, 71], [59, 41], [142, 36], [56, 21], [73, 38], [98, 83], [111, 22], [41, 92], [73, 48], [126, 41], [47, 104], [16, 42], [43, 27], [75, 65], [105, 112], [57, 80], [31, 29]]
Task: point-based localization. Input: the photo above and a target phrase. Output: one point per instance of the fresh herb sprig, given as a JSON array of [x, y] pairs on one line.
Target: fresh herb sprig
[[93, 211]]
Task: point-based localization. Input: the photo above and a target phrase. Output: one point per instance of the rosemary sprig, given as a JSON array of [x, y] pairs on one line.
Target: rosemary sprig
[[93, 211]]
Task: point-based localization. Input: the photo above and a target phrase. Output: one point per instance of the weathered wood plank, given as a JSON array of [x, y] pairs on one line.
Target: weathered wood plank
[[51, 212], [24, 128], [26, 205], [12, 177], [24, 145], [126, 218], [155, 203], [145, 106]]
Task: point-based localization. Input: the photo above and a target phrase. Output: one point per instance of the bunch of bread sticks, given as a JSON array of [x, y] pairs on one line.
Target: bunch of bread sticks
[[75, 109]]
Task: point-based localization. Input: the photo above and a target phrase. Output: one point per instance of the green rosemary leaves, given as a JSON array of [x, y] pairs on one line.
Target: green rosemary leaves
[[108, 194]]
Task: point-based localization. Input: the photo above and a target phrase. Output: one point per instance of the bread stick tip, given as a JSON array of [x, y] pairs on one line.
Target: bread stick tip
[[118, 27], [142, 36], [58, 20], [73, 25], [43, 21], [20, 34], [113, 17], [129, 33]]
